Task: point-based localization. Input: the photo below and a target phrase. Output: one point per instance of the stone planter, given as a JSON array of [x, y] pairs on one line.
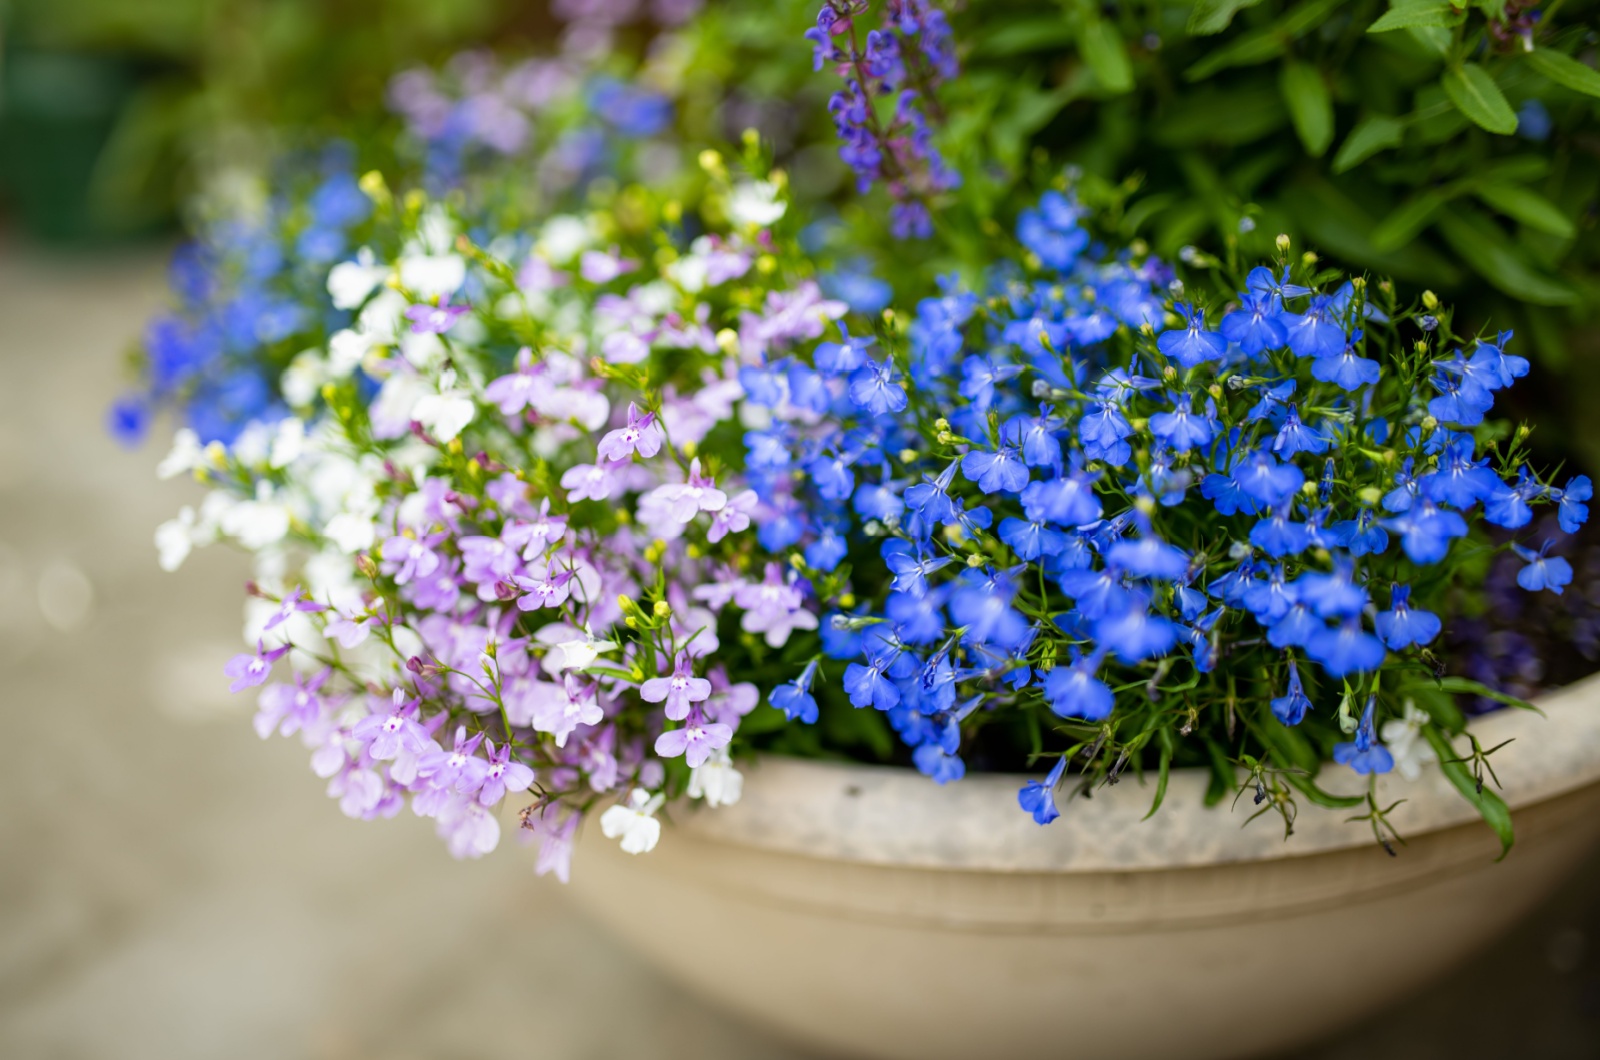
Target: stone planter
[[868, 912]]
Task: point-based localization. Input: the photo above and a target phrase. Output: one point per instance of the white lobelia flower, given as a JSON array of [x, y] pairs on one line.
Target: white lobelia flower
[[716, 781], [351, 532], [563, 238], [1410, 748], [175, 538], [445, 414], [575, 654], [346, 350], [257, 523], [288, 443], [433, 275], [756, 203], [302, 381], [634, 822], [350, 282], [185, 456]]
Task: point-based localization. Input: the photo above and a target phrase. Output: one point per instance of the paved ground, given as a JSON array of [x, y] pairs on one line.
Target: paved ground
[[172, 888]]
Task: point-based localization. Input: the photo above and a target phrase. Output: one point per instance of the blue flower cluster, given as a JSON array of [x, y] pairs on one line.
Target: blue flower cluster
[[1088, 492], [905, 60], [242, 286]]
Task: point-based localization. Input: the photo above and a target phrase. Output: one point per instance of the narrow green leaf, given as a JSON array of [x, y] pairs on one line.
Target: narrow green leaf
[[1483, 246], [1267, 43], [1426, 13], [1026, 35], [1310, 106], [1435, 40], [1102, 48], [1529, 207], [1406, 222], [1475, 94], [1374, 133], [1308, 788], [1565, 71], [1213, 16], [1222, 774], [1467, 686], [1490, 806], [1162, 774]]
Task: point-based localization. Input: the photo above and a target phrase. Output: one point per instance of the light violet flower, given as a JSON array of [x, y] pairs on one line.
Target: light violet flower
[[600, 267], [555, 833], [677, 692], [251, 669], [696, 740], [543, 588], [624, 347], [634, 822], [503, 774], [773, 607], [593, 482], [293, 601], [557, 709], [683, 502], [642, 435], [469, 830], [733, 516], [407, 558], [387, 734], [292, 707], [434, 319]]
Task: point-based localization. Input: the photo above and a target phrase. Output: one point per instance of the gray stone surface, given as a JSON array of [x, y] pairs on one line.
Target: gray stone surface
[[173, 888]]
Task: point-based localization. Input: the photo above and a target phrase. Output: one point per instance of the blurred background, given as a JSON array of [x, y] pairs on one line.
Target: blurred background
[[172, 887]]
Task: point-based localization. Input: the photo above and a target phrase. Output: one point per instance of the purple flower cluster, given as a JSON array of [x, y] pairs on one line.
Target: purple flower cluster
[[905, 60]]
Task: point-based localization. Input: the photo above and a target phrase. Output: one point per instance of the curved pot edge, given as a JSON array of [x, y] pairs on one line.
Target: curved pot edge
[[892, 816]]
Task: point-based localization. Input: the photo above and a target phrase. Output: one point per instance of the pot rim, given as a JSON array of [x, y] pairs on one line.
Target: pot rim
[[890, 815]]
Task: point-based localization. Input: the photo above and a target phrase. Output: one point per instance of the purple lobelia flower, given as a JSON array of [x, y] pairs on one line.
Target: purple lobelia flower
[[249, 669], [641, 435], [504, 774], [293, 602], [434, 319], [677, 692], [394, 731], [696, 740]]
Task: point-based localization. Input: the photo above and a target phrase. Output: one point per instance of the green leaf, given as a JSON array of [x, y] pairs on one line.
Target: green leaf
[[1162, 774], [1467, 686], [1490, 806], [1475, 94], [1026, 35], [1435, 40], [1426, 13], [1482, 245], [1106, 55], [1222, 774], [1267, 43], [1528, 207], [1308, 788], [1565, 71], [1406, 222], [1310, 106], [1374, 133], [1213, 16]]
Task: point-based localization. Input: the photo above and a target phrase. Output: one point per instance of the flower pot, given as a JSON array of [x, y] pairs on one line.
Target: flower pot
[[866, 911]]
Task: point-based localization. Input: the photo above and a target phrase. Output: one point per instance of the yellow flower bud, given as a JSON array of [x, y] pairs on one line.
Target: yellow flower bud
[[662, 609], [1430, 300]]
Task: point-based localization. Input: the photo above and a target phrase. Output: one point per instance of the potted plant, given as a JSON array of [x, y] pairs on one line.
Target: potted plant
[[573, 502]]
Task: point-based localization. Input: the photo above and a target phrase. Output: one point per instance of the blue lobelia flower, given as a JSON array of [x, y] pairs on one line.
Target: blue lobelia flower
[[1035, 436], [1147, 556], [1267, 482], [832, 476], [1460, 481], [1290, 708], [1542, 571], [1066, 501], [1334, 595], [1039, 798], [932, 761], [869, 686], [1426, 531], [1181, 429], [829, 548], [875, 387], [1296, 628], [1572, 511], [794, 698], [878, 500], [1347, 369], [916, 619], [1102, 432], [1030, 540], [1262, 280], [982, 604], [1508, 506], [1362, 535], [1277, 536], [1098, 594], [1295, 437], [1402, 625], [1134, 633], [1345, 648], [1316, 332], [1271, 599], [910, 565], [842, 358], [1365, 754], [996, 471], [930, 498], [1073, 691], [1255, 326], [1191, 346]]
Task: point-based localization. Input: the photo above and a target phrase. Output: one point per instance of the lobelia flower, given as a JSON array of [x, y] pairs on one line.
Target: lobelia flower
[[677, 692], [250, 669], [1039, 799], [390, 734], [1543, 571], [1073, 691], [1290, 708], [1401, 626], [1365, 754], [696, 740], [503, 774], [716, 781], [641, 435], [429, 319], [1407, 744], [634, 822], [794, 698]]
